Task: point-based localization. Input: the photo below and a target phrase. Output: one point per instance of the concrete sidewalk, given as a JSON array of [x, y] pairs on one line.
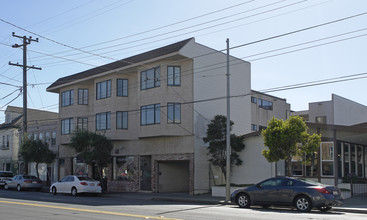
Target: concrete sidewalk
[[353, 205]]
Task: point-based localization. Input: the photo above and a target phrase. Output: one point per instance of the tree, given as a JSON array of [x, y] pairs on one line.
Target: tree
[[216, 137], [289, 138], [36, 151], [93, 148]]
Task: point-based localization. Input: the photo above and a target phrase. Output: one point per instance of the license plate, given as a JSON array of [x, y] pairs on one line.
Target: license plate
[[335, 193], [92, 184], [34, 182]]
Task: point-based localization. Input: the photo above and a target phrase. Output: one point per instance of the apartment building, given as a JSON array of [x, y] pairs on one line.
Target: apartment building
[[155, 107], [264, 107], [41, 125]]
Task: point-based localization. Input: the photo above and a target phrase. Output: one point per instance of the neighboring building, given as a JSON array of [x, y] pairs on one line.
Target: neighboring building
[[342, 152], [41, 125], [264, 107], [337, 111], [155, 107]]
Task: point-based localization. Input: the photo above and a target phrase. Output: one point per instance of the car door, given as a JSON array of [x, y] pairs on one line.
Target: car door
[[286, 191], [69, 183], [61, 185], [11, 182], [267, 191]]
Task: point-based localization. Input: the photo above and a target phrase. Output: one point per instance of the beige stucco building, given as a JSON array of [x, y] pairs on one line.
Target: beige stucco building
[[155, 107]]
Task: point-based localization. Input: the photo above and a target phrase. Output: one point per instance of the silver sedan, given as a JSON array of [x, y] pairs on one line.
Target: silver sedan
[[20, 182]]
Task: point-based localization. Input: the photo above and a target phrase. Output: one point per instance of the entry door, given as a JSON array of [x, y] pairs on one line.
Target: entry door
[[146, 173]]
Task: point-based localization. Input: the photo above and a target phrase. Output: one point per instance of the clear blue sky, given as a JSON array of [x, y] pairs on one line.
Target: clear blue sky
[[135, 26]]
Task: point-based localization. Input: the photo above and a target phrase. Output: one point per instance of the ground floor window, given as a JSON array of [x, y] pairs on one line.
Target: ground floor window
[[123, 168], [327, 158], [80, 168]]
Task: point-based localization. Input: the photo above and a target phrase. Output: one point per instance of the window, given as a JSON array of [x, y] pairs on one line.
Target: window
[[265, 104], [253, 99], [121, 120], [173, 75], [67, 126], [103, 121], [150, 114], [173, 113], [123, 168], [320, 119], [47, 137], [262, 127], [297, 168], [271, 183], [3, 145], [82, 124], [53, 138], [122, 87], [104, 89], [327, 158], [40, 137], [253, 127], [150, 78], [67, 98], [83, 96]]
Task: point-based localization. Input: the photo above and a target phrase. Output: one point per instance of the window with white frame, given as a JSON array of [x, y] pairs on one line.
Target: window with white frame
[[67, 98], [173, 113], [53, 138], [103, 121], [150, 78], [121, 120], [122, 87], [150, 114], [47, 137], [83, 96], [174, 75], [327, 158], [67, 126], [103, 89]]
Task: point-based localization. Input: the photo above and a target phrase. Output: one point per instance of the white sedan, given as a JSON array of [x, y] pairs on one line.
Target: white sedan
[[76, 184]]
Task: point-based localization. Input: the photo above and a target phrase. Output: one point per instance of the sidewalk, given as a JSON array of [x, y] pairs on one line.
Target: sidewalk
[[353, 205]]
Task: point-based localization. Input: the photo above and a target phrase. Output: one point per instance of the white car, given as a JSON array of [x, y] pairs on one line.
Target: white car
[[75, 184]]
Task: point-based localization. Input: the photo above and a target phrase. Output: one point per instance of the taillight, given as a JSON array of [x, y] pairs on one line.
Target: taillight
[[99, 184], [323, 190], [27, 181], [84, 183]]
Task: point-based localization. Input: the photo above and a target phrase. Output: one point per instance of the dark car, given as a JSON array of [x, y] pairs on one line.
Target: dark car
[[20, 182], [286, 191], [4, 176]]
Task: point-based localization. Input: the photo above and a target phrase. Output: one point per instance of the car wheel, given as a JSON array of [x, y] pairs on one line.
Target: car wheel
[[303, 204], [54, 191], [243, 200], [74, 191], [19, 188], [6, 187], [324, 208]]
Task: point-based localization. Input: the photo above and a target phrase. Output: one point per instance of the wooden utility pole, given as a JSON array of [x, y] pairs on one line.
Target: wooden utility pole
[[26, 41]]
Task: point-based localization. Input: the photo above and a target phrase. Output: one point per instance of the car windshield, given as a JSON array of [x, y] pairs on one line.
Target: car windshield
[[85, 178], [6, 174], [310, 182]]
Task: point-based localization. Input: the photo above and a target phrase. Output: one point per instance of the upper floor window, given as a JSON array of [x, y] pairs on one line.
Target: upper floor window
[[53, 138], [321, 119], [82, 124], [47, 137], [103, 121], [253, 127], [150, 78], [83, 96], [253, 99], [104, 89], [67, 126], [265, 104], [67, 98], [173, 75], [262, 127], [122, 87], [121, 120], [150, 114], [173, 113]]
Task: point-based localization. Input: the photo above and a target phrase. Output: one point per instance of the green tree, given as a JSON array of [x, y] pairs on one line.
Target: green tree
[[216, 137], [289, 138], [36, 151], [93, 148]]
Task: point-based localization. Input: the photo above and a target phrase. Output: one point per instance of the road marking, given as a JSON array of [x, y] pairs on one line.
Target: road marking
[[90, 210]]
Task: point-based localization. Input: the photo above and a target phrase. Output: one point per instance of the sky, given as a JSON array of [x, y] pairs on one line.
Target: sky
[[318, 47]]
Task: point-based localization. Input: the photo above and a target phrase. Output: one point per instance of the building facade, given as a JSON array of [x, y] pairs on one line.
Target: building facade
[[155, 107]]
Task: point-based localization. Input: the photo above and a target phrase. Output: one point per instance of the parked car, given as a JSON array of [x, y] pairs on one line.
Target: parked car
[[21, 182], [75, 184], [5, 175], [301, 193]]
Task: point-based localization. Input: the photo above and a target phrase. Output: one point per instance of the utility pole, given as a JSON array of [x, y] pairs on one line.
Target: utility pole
[[228, 150], [26, 41]]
